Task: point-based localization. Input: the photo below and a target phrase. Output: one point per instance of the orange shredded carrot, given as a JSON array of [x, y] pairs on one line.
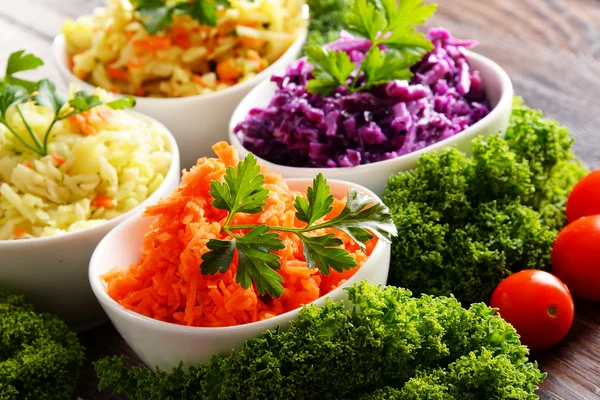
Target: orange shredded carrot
[[28, 164], [167, 284], [117, 73], [106, 113], [224, 27], [103, 202], [82, 125], [81, 75], [20, 232], [252, 43], [228, 70], [142, 44], [180, 37], [159, 42], [133, 63], [253, 55], [152, 44], [59, 160]]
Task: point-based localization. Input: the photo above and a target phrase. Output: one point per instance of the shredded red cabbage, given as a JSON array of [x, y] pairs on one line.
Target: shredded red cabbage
[[301, 129]]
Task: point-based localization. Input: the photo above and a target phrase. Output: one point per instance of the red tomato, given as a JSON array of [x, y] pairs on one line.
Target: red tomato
[[576, 257], [538, 305], [584, 199]]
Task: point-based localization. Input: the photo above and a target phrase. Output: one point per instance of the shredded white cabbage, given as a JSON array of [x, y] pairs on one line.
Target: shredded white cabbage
[[111, 49], [84, 180]]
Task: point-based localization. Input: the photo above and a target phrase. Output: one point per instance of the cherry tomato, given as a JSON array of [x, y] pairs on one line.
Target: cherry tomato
[[538, 305], [584, 199], [576, 257]]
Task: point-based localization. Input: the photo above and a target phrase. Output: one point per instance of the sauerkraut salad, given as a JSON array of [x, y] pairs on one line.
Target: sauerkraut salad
[[124, 50], [100, 164]]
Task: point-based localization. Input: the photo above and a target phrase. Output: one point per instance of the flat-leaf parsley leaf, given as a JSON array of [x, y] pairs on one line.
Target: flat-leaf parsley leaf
[[242, 192], [157, 15], [15, 92], [17, 62], [395, 47]]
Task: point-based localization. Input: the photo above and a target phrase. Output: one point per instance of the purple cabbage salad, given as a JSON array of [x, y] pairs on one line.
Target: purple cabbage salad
[[301, 129]]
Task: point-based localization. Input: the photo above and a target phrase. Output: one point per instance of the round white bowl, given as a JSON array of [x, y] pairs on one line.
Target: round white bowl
[[499, 91], [52, 271], [164, 344], [197, 122]]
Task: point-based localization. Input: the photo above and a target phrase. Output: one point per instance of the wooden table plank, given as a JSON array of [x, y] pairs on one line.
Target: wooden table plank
[[550, 48]]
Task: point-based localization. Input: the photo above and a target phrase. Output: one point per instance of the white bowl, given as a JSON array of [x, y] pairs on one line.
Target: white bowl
[[164, 344], [498, 89], [197, 122], [52, 271]]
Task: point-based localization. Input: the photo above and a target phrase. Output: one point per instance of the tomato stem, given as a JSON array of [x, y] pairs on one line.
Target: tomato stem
[[553, 311]]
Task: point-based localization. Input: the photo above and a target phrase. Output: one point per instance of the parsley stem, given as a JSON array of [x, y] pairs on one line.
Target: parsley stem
[[47, 135], [308, 228], [23, 141], [355, 80], [227, 221], [60, 118], [228, 231], [273, 228], [31, 132], [374, 43]]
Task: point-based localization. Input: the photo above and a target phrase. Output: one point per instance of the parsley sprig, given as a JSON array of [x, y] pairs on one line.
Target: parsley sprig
[[243, 192], [156, 15], [14, 92], [19, 61], [396, 46]]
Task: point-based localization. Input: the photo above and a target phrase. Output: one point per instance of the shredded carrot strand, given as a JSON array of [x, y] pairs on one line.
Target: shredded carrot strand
[[117, 73], [59, 160], [20, 232], [103, 202], [228, 70], [180, 37]]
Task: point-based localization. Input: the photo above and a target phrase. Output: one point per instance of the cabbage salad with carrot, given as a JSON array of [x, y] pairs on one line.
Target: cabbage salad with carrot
[[178, 48], [71, 161], [234, 245]]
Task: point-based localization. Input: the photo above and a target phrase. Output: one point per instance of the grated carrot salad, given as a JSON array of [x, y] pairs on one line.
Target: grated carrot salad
[[166, 284]]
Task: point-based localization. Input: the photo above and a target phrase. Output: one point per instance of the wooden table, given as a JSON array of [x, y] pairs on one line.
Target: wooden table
[[551, 49]]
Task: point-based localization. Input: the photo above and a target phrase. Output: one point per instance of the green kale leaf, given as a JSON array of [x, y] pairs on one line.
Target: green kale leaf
[[327, 19], [547, 148], [467, 222], [390, 346], [39, 357]]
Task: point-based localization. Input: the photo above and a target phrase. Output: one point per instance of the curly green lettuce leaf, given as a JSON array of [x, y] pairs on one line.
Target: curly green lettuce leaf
[[547, 147], [389, 346], [39, 357], [327, 19], [467, 222]]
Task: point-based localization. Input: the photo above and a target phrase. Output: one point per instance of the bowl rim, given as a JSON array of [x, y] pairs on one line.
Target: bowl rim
[[506, 98], [99, 288], [174, 169], [59, 48]]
